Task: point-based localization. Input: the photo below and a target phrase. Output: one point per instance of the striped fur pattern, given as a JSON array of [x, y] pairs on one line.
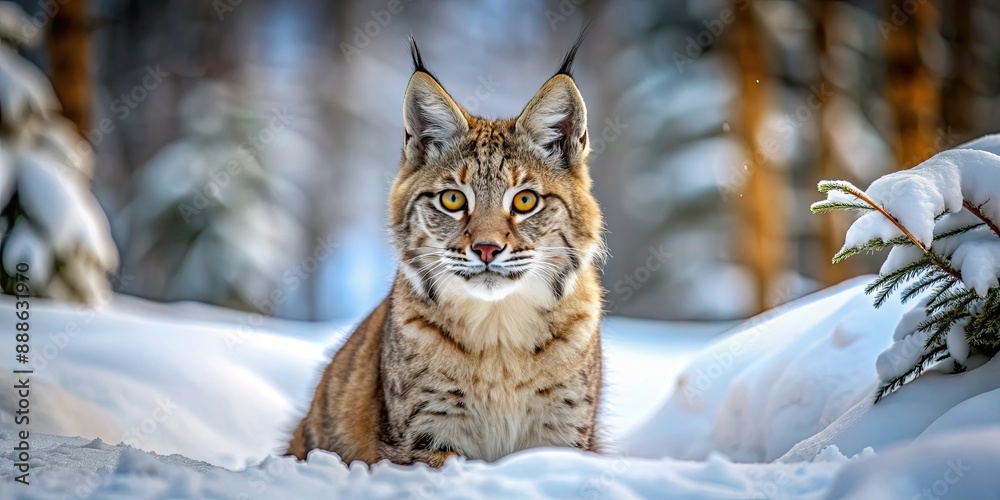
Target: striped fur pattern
[[477, 355]]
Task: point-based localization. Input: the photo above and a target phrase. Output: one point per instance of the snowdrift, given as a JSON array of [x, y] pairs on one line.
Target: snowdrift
[[796, 380], [190, 401], [81, 468]]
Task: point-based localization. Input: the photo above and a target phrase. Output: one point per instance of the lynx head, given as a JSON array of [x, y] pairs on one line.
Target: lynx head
[[487, 207]]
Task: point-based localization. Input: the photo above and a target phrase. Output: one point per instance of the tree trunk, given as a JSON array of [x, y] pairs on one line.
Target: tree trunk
[[832, 226], [762, 207], [912, 89], [962, 118], [69, 51]]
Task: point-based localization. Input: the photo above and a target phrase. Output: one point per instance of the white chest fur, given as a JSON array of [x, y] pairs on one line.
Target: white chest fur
[[499, 377]]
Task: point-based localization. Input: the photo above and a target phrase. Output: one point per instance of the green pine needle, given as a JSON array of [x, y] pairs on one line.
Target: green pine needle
[[948, 301], [929, 358], [932, 277], [826, 206], [870, 246], [885, 284], [843, 186], [957, 231]]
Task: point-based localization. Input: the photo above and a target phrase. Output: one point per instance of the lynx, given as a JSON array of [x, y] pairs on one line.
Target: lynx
[[489, 340]]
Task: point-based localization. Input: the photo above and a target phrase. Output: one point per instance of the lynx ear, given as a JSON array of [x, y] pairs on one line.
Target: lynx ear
[[555, 122], [432, 120]]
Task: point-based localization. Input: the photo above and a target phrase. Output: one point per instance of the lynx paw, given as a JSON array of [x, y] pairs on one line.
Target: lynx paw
[[438, 458]]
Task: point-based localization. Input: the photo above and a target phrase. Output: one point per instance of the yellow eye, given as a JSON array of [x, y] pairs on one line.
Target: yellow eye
[[453, 200], [525, 201]]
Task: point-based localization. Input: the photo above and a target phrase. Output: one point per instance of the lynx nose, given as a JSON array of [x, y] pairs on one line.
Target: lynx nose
[[486, 251]]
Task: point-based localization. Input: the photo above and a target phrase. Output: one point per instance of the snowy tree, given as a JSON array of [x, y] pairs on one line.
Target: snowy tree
[[49, 220], [940, 220], [224, 228]]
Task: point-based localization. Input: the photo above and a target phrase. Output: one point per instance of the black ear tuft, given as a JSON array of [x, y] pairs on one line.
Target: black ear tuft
[[567, 65], [418, 62]]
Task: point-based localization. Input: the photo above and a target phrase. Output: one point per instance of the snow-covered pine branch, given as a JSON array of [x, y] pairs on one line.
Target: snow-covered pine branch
[[940, 220], [48, 217], [214, 210]]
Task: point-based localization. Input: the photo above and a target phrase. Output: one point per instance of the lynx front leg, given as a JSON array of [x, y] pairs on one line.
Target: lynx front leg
[[437, 458], [419, 450]]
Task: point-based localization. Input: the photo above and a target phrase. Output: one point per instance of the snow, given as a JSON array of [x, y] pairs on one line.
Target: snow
[[63, 209], [978, 411], [870, 226], [957, 343], [7, 174], [171, 384], [988, 143], [639, 365], [908, 345], [979, 262], [975, 254], [189, 401], [953, 190], [793, 382], [768, 385], [915, 197], [28, 247], [83, 468], [60, 229], [57, 136], [23, 88], [140, 360], [900, 256], [903, 415], [957, 465], [16, 25]]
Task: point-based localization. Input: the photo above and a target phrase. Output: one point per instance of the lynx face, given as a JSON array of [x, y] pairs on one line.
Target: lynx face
[[484, 208]]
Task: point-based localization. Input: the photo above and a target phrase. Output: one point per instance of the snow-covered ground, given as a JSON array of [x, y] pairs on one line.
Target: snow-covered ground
[[226, 387], [203, 398]]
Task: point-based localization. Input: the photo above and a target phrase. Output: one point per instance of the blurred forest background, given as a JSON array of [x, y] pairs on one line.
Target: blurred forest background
[[243, 149]]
